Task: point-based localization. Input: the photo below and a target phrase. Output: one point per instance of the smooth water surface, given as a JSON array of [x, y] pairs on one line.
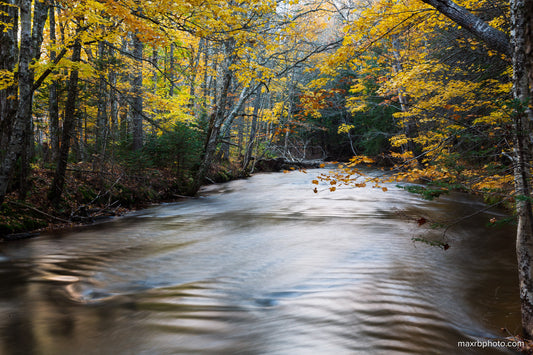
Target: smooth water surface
[[264, 266]]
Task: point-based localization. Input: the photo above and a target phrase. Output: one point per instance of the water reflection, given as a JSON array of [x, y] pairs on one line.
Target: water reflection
[[263, 266]]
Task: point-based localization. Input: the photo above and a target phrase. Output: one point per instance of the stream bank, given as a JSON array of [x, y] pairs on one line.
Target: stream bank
[[91, 196]]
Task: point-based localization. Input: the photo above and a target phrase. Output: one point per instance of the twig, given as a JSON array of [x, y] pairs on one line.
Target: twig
[[474, 214]]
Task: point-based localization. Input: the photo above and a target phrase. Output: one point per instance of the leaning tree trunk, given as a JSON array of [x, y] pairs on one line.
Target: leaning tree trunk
[[217, 117], [215, 124]]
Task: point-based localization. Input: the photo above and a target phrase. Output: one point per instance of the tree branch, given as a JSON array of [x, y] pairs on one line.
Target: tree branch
[[493, 38]]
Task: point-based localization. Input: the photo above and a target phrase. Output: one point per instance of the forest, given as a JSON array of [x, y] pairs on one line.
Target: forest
[[108, 105]]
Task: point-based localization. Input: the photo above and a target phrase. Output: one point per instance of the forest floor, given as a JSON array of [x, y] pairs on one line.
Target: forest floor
[[92, 194]]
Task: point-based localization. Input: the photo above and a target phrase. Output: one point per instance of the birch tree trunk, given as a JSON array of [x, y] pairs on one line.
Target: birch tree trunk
[[521, 39]]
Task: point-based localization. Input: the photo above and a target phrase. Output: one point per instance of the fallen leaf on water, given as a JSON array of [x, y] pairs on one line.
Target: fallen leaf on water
[[421, 221]]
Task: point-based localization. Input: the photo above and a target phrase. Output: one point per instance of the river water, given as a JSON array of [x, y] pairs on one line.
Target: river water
[[265, 266]]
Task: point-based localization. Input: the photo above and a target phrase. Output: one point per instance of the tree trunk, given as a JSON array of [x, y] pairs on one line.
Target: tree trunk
[[155, 76], [521, 39], [241, 122], [137, 100], [101, 117], [172, 76], [124, 98], [30, 43], [8, 59], [40, 14], [253, 133], [113, 99], [69, 121], [53, 101], [520, 49]]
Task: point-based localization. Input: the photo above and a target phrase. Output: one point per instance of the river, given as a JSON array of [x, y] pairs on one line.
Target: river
[[265, 266]]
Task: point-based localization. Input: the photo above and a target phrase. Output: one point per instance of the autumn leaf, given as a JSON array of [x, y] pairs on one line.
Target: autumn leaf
[[421, 221]]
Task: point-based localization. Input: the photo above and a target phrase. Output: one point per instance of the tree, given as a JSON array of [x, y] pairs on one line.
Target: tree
[[455, 109], [519, 49], [56, 190], [8, 58], [31, 37], [137, 100]]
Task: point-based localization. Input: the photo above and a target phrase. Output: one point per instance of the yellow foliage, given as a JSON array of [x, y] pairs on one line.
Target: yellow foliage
[[344, 128], [6, 79]]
